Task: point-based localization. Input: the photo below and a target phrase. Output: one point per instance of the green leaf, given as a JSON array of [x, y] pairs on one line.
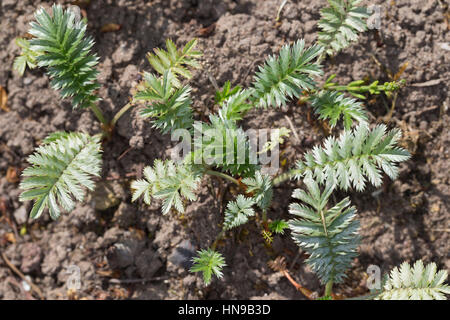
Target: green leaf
[[224, 145], [329, 236], [226, 92], [333, 105], [238, 211], [175, 60], [415, 283], [261, 187], [60, 168], [285, 76], [167, 181], [60, 44], [210, 263], [235, 106], [278, 226], [168, 107], [27, 56], [355, 157], [340, 24]]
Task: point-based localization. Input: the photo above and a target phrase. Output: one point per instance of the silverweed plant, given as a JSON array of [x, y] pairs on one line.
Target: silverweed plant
[[66, 164]]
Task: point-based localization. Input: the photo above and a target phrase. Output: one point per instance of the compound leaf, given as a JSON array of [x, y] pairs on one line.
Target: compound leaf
[[60, 168]]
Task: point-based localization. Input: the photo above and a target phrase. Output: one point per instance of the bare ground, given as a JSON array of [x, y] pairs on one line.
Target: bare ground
[[406, 220]]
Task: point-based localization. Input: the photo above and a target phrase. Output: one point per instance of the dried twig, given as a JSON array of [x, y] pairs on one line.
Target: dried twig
[[280, 9], [250, 69], [22, 276], [417, 113], [294, 131], [430, 83], [212, 80], [124, 153], [279, 264], [117, 177], [442, 230], [125, 281]]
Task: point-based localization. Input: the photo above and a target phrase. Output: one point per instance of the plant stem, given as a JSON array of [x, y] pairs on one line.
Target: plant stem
[[359, 89], [328, 288], [264, 217], [34, 287], [322, 56], [223, 175], [285, 176], [216, 241], [98, 113], [387, 87], [307, 293], [119, 114]]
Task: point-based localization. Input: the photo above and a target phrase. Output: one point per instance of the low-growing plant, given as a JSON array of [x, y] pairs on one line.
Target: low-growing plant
[[418, 282], [66, 163]]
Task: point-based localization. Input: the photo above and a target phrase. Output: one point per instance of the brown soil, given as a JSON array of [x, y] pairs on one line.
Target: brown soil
[[406, 220]]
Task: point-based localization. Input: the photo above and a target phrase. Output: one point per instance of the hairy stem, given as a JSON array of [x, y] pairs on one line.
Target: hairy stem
[[322, 56], [119, 114], [364, 88], [218, 238], [285, 176], [223, 175], [264, 217], [98, 113], [328, 288]]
